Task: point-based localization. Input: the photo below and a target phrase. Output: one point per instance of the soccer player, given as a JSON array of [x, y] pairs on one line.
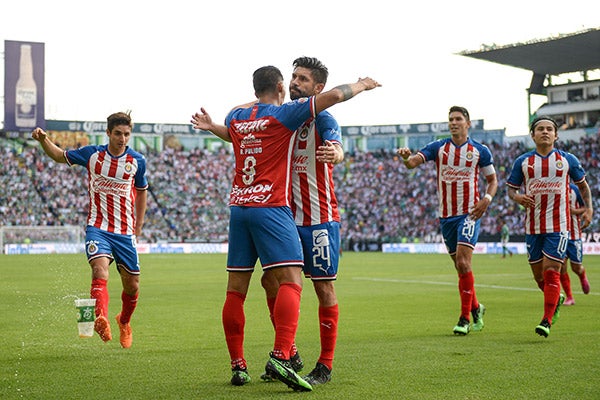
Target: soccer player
[[544, 174], [261, 223], [504, 238], [117, 190], [574, 248], [318, 147], [459, 160]]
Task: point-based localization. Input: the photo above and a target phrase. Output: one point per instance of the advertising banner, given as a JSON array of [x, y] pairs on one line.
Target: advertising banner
[[23, 86]]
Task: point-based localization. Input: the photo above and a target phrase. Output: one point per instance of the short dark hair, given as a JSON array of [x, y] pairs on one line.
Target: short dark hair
[[265, 79], [540, 119], [319, 71], [461, 110], [119, 118]]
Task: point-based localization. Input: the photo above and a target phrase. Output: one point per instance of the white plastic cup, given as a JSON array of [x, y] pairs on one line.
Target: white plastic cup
[[85, 316]]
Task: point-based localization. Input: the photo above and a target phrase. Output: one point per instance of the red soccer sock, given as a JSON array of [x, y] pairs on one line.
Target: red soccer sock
[[129, 303], [328, 323], [565, 281], [285, 314], [234, 321], [551, 293], [99, 291], [466, 288], [271, 305]]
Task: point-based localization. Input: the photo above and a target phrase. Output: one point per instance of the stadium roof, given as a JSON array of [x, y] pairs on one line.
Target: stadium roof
[[579, 51]]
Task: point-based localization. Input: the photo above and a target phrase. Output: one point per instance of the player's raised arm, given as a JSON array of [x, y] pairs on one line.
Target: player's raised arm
[[202, 120], [343, 92], [410, 160], [51, 149]]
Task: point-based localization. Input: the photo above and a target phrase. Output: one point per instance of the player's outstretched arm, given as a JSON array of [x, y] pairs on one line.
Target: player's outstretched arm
[[343, 92], [51, 149], [410, 160], [202, 120]]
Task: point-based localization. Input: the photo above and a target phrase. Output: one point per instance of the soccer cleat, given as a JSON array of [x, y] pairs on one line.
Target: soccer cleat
[[543, 329], [585, 285], [477, 315], [556, 316], [283, 371], [297, 365], [462, 327], [125, 337], [319, 375], [569, 301], [102, 327], [239, 376]]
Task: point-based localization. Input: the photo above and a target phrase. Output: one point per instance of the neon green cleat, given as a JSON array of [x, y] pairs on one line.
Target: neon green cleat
[[463, 326], [477, 315], [283, 371], [556, 315], [543, 329], [239, 377]]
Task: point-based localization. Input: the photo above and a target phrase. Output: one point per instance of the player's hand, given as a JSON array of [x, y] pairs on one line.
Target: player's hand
[[327, 153], [39, 134], [479, 209], [369, 83], [404, 152], [525, 200], [586, 218], [202, 120]]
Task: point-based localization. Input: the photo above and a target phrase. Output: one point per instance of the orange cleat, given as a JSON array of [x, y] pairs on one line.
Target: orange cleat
[[126, 338], [102, 327]]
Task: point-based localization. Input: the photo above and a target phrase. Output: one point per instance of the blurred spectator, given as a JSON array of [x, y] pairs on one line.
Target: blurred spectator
[[380, 201]]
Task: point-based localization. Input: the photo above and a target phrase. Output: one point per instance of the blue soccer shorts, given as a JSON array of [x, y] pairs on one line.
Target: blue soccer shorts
[[321, 247], [265, 233], [552, 245], [120, 248], [575, 251], [457, 230]]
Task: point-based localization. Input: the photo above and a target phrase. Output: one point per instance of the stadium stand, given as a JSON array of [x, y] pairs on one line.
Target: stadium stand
[[381, 201]]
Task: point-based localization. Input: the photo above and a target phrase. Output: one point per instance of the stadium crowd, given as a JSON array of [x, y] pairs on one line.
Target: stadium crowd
[[380, 200]]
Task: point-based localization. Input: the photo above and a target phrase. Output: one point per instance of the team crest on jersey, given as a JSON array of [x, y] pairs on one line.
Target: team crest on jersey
[[302, 100], [303, 135], [559, 164], [128, 168], [91, 247], [469, 155]]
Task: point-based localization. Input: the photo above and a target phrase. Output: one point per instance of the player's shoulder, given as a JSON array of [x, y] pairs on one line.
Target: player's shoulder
[[324, 121], [478, 145], [527, 154], [566, 154], [89, 149], [135, 154]]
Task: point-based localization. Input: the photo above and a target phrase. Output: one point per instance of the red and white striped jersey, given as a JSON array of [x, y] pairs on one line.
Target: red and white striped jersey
[[458, 169], [314, 200], [547, 180], [112, 186]]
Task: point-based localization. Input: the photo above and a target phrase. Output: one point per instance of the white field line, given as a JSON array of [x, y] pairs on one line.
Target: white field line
[[440, 283]]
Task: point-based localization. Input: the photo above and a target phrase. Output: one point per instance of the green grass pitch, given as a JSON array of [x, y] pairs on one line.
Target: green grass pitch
[[395, 339]]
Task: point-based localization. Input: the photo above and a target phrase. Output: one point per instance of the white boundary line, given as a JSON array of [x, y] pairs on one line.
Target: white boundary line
[[454, 284]]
